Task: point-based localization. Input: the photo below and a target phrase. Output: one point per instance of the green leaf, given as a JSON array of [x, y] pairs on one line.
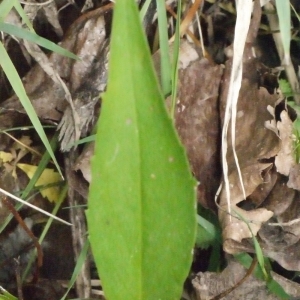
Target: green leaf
[[5, 8], [141, 210], [34, 38], [275, 288], [17, 85], [258, 250], [7, 5], [175, 64], [165, 69], [208, 234], [5, 295], [285, 88], [87, 139], [21, 12], [144, 9], [284, 16]]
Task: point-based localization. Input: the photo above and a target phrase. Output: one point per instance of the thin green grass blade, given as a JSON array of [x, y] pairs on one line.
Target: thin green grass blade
[[5, 295], [165, 64], [176, 46], [34, 38], [144, 9], [87, 139], [41, 167], [16, 83], [295, 12], [260, 256], [22, 14], [5, 8], [141, 209], [81, 259], [258, 250], [207, 233], [284, 16]]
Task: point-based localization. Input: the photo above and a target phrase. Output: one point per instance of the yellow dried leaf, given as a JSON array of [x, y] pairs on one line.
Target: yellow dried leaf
[[48, 176], [6, 156], [23, 141]]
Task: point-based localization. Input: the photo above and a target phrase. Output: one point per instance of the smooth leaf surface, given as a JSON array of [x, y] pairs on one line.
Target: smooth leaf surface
[[141, 209]]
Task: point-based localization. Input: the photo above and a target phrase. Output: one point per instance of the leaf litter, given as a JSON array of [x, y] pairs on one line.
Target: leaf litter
[[266, 159]]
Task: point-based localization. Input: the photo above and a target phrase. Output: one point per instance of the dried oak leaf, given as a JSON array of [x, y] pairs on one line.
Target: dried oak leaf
[[197, 123], [197, 117], [294, 177], [279, 237], [86, 38], [83, 162], [18, 150], [254, 144], [285, 159], [280, 197], [209, 284]]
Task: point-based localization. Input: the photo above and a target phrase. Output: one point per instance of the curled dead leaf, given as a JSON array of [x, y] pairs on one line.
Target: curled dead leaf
[[255, 145], [285, 159]]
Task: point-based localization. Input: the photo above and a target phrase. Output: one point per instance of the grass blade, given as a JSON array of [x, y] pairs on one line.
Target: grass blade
[[34, 38], [82, 256], [175, 64], [284, 16], [165, 68], [16, 83], [5, 8]]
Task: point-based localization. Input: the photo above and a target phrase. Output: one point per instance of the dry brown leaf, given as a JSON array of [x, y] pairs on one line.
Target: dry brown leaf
[[209, 284], [48, 98], [197, 123], [294, 178], [285, 159], [280, 198], [280, 236], [197, 117], [51, 14], [254, 144], [83, 162]]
